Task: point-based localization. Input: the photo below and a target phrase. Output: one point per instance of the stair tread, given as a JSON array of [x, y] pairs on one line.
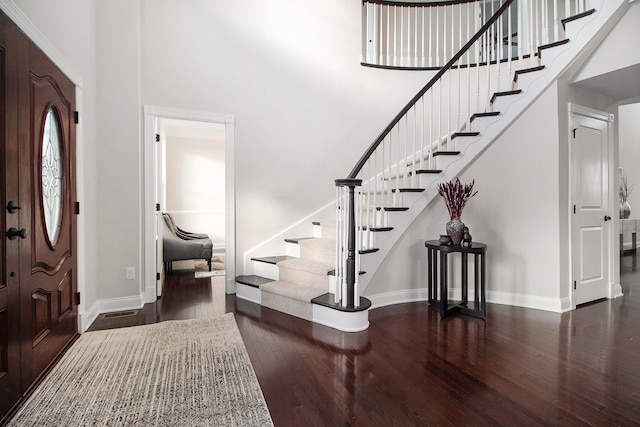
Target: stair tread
[[394, 208], [445, 153], [576, 17], [307, 265], [550, 45], [458, 134], [328, 300], [526, 71], [408, 190], [298, 291], [252, 280], [368, 251], [505, 93], [419, 171], [296, 240], [272, 259], [376, 229], [485, 114]]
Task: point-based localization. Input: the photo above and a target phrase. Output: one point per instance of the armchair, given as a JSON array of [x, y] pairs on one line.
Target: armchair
[[180, 245]]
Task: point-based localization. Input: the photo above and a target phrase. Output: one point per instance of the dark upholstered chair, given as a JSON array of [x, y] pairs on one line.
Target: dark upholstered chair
[[178, 245]]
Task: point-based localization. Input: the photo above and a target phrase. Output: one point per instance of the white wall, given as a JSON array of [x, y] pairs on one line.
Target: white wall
[[289, 72], [119, 149], [515, 213], [629, 140], [618, 50], [195, 185]]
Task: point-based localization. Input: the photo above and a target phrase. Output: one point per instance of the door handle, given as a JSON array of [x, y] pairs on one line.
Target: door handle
[[607, 218], [12, 207], [13, 233]]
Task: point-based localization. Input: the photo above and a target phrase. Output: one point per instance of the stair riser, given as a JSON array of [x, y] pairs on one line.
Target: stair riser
[[306, 277], [292, 249], [323, 255], [480, 124], [327, 232], [503, 102], [263, 269], [293, 307], [248, 293]]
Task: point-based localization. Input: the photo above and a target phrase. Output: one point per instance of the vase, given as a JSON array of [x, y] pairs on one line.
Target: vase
[[625, 210], [455, 230]]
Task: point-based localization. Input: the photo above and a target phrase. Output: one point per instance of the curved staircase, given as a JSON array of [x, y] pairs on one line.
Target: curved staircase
[[396, 178]]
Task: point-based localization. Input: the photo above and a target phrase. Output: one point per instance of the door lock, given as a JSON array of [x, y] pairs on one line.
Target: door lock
[[13, 233], [607, 218]]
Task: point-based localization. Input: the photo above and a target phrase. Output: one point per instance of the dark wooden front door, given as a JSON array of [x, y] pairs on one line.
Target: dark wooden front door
[[38, 284]]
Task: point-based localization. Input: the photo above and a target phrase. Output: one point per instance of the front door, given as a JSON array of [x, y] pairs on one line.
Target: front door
[[38, 286], [47, 192], [591, 219]]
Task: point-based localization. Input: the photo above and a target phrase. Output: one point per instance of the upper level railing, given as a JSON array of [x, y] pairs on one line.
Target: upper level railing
[[427, 35], [430, 124]]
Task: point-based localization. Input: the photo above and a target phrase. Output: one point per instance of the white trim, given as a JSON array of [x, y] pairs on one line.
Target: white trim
[[398, 297], [346, 321], [151, 114], [493, 297]]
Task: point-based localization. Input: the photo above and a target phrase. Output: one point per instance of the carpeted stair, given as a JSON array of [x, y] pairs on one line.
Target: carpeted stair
[[302, 279]]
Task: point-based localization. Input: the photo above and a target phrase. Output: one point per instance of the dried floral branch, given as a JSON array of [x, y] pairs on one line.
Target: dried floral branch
[[455, 196], [625, 188]]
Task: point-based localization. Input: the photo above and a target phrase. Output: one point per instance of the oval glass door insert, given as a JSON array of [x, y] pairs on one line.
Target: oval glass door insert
[[52, 174]]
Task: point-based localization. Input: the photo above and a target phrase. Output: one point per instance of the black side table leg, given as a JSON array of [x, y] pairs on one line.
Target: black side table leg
[[444, 297], [431, 279], [483, 279], [465, 280]]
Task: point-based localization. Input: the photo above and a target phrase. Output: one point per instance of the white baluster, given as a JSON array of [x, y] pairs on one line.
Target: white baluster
[[415, 38], [556, 22], [437, 64], [423, 39], [395, 35], [431, 128], [431, 39], [388, 47], [402, 54]]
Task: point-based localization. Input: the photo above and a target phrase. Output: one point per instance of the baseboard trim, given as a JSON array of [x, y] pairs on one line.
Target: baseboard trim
[[494, 297]]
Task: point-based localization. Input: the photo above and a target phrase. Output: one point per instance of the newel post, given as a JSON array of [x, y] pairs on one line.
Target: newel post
[[346, 253]]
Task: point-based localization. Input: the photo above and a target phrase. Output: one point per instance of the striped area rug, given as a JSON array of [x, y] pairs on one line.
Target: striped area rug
[[173, 373]]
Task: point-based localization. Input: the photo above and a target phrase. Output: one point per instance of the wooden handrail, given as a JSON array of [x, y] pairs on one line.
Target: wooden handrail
[[372, 148], [418, 4]]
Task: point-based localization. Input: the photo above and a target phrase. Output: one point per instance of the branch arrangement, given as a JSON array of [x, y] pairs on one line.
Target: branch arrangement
[[456, 195]]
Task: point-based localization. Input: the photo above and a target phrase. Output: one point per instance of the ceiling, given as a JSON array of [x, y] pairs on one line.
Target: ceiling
[[620, 84]]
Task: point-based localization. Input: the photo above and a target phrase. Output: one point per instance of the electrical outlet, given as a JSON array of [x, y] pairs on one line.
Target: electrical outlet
[[130, 273]]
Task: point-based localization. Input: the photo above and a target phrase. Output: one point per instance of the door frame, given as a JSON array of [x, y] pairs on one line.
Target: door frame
[[151, 115], [614, 288]]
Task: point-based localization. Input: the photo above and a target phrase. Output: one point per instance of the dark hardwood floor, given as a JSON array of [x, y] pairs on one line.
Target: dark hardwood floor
[[518, 367]]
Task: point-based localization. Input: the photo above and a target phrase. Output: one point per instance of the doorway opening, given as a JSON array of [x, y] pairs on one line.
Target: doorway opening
[[188, 174]]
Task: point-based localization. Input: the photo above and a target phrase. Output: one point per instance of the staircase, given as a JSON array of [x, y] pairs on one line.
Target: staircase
[[452, 120]]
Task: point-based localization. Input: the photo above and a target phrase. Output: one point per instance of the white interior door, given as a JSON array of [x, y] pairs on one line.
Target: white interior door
[[591, 219]]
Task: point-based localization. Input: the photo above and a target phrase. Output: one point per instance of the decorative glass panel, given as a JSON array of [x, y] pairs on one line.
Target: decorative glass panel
[[52, 175]]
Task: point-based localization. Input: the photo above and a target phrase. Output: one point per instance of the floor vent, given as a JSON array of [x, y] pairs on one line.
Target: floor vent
[[119, 314]]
